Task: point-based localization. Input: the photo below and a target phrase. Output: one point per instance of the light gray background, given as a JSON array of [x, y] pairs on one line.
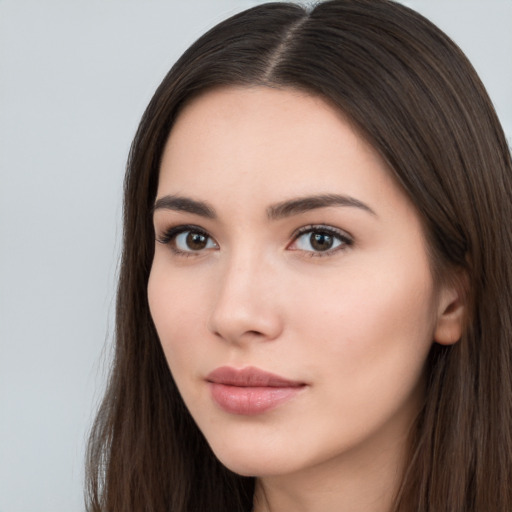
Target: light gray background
[[75, 76]]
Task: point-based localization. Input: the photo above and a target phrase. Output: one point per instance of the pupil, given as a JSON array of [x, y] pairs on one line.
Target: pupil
[[196, 241], [321, 241]]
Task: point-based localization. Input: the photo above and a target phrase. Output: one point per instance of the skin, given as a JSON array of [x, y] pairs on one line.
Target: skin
[[354, 323]]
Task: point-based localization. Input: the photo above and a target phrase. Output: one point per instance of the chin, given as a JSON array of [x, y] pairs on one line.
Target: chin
[[252, 467], [256, 461]]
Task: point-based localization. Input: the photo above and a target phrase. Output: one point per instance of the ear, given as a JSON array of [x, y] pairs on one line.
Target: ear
[[450, 315]]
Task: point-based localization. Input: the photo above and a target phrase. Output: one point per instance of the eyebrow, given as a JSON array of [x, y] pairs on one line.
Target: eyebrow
[[278, 211], [305, 204], [185, 204]]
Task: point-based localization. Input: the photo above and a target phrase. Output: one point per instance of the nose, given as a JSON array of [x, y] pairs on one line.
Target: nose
[[246, 306]]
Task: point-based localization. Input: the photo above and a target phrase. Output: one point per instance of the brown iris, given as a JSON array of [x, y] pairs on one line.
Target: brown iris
[[321, 241], [196, 241]]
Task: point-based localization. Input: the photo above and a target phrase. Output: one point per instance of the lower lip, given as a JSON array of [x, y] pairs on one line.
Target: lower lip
[[250, 401]]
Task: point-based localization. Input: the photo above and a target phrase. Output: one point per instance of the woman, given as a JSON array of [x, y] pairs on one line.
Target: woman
[[314, 307]]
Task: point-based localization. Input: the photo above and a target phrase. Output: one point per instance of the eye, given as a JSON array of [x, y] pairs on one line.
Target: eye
[[187, 239], [193, 241], [320, 239]]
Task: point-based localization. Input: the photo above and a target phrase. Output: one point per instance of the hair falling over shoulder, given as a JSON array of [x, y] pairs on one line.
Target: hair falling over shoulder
[[418, 101]]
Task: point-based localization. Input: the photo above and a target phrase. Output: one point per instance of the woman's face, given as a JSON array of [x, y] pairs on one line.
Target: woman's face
[[284, 247]]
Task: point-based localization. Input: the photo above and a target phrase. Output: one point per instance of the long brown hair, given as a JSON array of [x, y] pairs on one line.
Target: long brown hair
[[416, 98]]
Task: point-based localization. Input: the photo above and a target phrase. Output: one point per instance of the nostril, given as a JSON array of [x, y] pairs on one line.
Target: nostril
[[247, 335]]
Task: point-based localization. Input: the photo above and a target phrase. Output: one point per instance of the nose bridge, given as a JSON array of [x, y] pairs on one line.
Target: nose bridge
[[244, 306]]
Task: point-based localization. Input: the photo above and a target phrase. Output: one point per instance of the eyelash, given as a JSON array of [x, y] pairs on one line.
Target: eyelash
[[170, 235], [345, 240]]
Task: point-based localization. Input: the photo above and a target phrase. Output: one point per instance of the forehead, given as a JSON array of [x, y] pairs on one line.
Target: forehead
[[258, 141]]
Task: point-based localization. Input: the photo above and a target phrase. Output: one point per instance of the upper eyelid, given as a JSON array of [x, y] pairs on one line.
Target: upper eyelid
[[321, 227], [173, 231], [182, 227], [297, 231]]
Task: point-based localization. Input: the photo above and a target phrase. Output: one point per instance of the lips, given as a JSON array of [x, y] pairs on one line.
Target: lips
[[250, 391]]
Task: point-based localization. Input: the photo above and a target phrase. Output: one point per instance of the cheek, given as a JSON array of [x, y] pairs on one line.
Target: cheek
[[365, 352], [370, 335], [177, 312], [360, 306]]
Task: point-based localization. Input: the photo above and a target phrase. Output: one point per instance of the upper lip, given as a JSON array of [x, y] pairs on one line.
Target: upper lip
[[249, 377]]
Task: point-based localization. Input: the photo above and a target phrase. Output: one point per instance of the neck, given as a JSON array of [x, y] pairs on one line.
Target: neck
[[352, 482]]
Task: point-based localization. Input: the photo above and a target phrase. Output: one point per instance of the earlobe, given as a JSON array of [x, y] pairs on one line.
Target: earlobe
[[450, 316]]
